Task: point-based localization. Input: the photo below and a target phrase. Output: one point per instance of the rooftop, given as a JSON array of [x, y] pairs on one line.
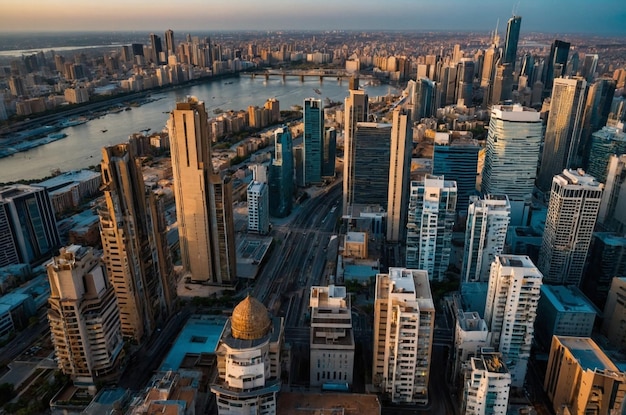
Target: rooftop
[[356, 237], [611, 239], [577, 178], [567, 299], [515, 113], [68, 178], [491, 362], [587, 353], [517, 261], [297, 403]]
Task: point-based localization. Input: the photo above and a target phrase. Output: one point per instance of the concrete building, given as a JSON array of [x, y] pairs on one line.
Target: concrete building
[[69, 189], [281, 174], [485, 233], [84, 318], [572, 212], [203, 199], [356, 108], [355, 245], [605, 143], [399, 176], [511, 309], [169, 393], [581, 379], [313, 112], [471, 335], [258, 208], [486, 390], [249, 361], [615, 313], [136, 254], [563, 129], [404, 322], [431, 214], [563, 311], [512, 151], [28, 229], [332, 338], [612, 215]]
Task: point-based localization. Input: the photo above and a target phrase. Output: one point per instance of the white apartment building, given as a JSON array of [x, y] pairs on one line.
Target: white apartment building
[[84, 318], [485, 233], [432, 204], [258, 208], [332, 338], [511, 309], [471, 334], [487, 386], [404, 321], [572, 212]]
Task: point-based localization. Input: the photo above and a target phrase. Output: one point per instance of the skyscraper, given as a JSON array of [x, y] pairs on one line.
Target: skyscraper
[[431, 216], [563, 129], [203, 199], [510, 43], [423, 99], [355, 107], [281, 182], [132, 229], [170, 46], [28, 227], [399, 176], [258, 208], [84, 318], [612, 214], [157, 48], [604, 143], [464, 81], [572, 212], [512, 151], [511, 309], [502, 83], [485, 233], [329, 152], [404, 321], [313, 140], [615, 313], [557, 60]]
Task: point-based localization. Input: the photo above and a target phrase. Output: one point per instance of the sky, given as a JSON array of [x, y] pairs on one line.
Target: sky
[[605, 17]]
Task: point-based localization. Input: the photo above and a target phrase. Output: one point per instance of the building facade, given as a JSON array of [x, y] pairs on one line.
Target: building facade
[[281, 174], [615, 313], [356, 109], [399, 176], [404, 321], [486, 390], [612, 215], [258, 208], [313, 112]]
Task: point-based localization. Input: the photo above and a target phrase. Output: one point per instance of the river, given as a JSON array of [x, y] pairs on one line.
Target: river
[[83, 144]]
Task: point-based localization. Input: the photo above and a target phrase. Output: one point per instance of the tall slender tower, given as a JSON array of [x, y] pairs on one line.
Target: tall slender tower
[[510, 43], [132, 229], [157, 48], [487, 223], [203, 199], [313, 140], [511, 309], [404, 322], [431, 216], [556, 63], [281, 174], [574, 205], [84, 318], [399, 176], [170, 46], [355, 107]]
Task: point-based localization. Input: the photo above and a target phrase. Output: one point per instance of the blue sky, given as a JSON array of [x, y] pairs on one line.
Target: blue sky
[[557, 16]]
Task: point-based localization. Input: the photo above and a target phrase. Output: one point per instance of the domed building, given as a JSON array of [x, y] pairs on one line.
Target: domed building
[[249, 361]]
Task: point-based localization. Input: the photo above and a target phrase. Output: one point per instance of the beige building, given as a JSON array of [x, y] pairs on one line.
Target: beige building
[[404, 321], [355, 245], [249, 361], [471, 334], [581, 379], [356, 108], [84, 318], [203, 199], [332, 338], [399, 176], [614, 324]]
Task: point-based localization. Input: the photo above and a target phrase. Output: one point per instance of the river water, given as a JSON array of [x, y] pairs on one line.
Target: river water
[[83, 144]]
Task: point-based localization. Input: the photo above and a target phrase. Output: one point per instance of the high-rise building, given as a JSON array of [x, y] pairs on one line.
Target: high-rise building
[[431, 214], [502, 83], [399, 176], [313, 140], [464, 81], [281, 182], [368, 182], [486, 390], [582, 379], [355, 107], [84, 318], [471, 335], [203, 199], [329, 152], [606, 259], [615, 313], [157, 49], [457, 159], [136, 254], [563, 129], [572, 212], [590, 65], [511, 309], [258, 208], [485, 233], [404, 321], [332, 338], [512, 151], [423, 99], [604, 143], [249, 361], [612, 213], [556, 62], [170, 46], [510, 43], [595, 117], [28, 227]]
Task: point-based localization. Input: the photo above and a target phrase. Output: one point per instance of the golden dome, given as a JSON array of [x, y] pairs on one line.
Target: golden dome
[[250, 320]]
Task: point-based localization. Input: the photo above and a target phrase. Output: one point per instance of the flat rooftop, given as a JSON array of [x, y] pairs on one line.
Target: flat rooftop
[[587, 353], [517, 261], [491, 362], [296, 403], [199, 335], [567, 299]]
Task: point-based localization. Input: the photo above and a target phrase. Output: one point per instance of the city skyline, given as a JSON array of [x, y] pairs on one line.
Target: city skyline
[[605, 17]]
